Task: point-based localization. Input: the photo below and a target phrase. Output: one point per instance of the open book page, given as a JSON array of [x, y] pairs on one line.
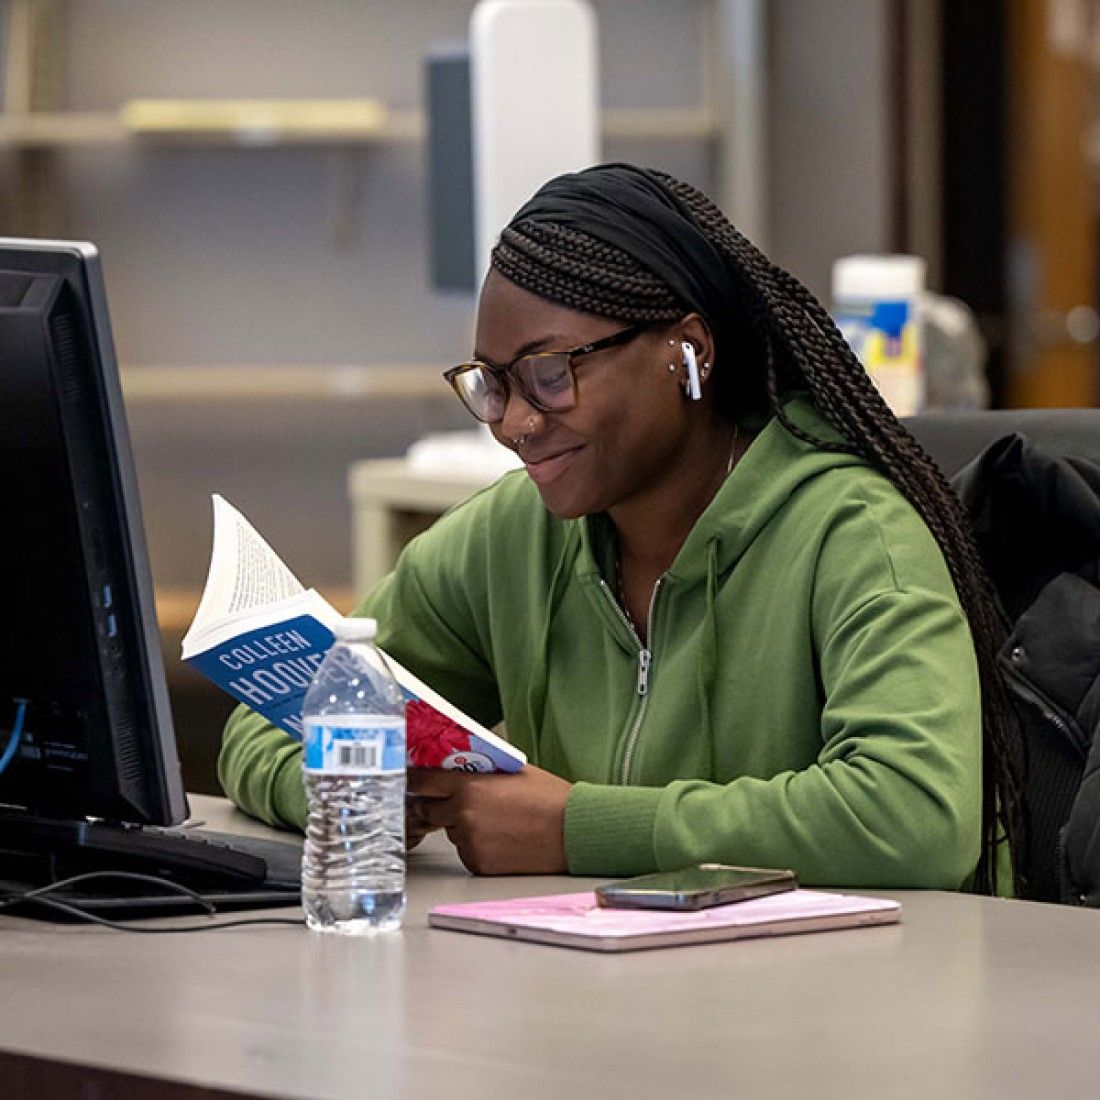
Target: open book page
[[233, 626], [260, 577], [244, 574], [260, 636]]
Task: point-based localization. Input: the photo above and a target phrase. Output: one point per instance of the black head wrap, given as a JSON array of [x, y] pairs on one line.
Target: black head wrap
[[673, 266], [631, 209]]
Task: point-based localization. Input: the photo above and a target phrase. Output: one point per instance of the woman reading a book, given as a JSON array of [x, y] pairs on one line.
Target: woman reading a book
[[730, 609]]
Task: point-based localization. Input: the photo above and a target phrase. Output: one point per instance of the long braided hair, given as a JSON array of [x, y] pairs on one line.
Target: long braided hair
[[784, 328]]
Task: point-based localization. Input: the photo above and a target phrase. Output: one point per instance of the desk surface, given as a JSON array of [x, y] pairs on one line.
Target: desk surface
[[969, 997]]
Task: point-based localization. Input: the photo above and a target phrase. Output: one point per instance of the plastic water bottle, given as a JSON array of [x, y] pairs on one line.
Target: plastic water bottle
[[353, 862]]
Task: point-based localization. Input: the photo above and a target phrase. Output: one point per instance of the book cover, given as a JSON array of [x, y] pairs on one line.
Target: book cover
[[577, 920], [259, 635]]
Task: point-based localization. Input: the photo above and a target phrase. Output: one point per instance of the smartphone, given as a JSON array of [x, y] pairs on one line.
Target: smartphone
[[697, 887]]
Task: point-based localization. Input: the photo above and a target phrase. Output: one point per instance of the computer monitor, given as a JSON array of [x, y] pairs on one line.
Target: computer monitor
[[89, 776], [84, 714]]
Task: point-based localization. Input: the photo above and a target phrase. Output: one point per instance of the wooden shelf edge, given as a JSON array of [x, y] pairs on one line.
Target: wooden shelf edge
[[60, 129]]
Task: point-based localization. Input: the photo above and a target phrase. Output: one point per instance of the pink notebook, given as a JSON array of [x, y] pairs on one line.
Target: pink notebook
[[575, 920]]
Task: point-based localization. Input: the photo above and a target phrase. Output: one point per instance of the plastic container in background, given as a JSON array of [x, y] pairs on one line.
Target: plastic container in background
[[876, 303], [954, 354], [353, 860]]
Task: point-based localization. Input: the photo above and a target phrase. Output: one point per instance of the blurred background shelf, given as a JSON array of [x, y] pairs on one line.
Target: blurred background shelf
[[268, 124], [254, 121], [63, 129]]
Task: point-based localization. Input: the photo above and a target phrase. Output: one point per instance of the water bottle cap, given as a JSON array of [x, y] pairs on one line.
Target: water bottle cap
[[354, 629]]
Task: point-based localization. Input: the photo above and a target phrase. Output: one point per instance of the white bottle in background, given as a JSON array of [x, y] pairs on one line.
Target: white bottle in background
[[353, 860], [876, 303]]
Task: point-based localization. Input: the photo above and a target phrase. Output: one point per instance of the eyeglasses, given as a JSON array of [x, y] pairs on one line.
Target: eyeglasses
[[545, 379]]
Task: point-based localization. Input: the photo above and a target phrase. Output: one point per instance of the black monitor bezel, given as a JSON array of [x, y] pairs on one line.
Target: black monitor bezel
[[112, 515]]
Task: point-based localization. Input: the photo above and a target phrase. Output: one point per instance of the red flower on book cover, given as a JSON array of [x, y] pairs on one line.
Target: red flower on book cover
[[432, 736]]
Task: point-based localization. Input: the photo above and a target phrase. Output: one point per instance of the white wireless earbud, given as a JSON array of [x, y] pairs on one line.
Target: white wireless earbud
[[692, 371]]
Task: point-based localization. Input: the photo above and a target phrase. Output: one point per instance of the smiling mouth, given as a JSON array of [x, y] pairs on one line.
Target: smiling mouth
[[546, 469]]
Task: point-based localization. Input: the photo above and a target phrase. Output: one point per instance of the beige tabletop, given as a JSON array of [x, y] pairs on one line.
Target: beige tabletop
[[968, 997]]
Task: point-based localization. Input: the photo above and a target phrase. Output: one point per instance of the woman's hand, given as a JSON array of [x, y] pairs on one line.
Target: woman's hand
[[416, 828], [500, 823]]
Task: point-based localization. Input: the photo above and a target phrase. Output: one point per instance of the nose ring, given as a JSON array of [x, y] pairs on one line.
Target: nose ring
[[519, 441]]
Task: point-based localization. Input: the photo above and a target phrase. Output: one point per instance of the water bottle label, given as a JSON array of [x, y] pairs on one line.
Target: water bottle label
[[354, 745]]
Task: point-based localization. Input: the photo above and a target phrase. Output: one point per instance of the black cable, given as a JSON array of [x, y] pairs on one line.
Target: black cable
[[131, 876], [16, 733], [40, 896]]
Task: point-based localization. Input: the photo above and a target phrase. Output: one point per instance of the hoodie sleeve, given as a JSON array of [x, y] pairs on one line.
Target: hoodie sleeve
[[893, 798]]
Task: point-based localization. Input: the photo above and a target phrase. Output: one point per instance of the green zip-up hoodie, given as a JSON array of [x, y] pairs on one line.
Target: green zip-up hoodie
[[809, 697]]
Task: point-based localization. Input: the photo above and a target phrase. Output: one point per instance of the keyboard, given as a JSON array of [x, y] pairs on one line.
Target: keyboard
[[230, 857]]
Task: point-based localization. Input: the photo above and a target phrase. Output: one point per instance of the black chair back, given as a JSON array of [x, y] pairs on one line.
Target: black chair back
[[954, 438]]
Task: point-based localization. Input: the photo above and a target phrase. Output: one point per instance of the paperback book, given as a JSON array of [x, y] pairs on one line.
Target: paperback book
[[260, 636]]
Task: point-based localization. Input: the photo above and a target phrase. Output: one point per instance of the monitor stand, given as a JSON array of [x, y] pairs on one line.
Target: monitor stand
[[232, 871]]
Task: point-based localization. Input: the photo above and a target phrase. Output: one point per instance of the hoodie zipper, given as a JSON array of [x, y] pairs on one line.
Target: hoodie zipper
[[645, 663]]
